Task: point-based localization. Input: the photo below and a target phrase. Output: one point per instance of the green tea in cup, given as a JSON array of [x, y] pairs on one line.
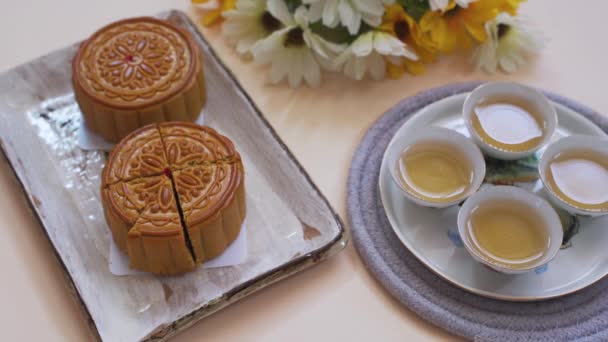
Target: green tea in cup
[[580, 178], [510, 124], [435, 172], [508, 232]]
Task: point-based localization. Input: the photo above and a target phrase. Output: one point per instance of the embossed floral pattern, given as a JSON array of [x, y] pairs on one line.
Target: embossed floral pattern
[[156, 161], [123, 201], [189, 146], [161, 213], [148, 161], [149, 190], [194, 183], [143, 156], [136, 61], [201, 189], [164, 199], [182, 152], [131, 198]]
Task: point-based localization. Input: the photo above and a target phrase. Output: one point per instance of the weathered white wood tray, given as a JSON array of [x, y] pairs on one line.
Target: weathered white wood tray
[[291, 226]]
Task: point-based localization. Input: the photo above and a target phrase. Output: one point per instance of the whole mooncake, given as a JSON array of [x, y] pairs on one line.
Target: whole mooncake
[[135, 72], [173, 196]]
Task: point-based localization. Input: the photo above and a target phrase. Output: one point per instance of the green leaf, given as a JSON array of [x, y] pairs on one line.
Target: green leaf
[[338, 34], [292, 5], [415, 8]]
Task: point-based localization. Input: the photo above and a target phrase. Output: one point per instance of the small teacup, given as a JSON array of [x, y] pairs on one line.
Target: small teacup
[[462, 151], [481, 230], [574, 157], [509, 98]]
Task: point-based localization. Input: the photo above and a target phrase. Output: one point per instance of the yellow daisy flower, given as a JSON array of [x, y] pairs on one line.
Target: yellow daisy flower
[[400, 24], [457, 27], [213, 14]]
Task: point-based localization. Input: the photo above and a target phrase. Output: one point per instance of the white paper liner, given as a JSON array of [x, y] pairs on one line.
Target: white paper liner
[[91, 141]]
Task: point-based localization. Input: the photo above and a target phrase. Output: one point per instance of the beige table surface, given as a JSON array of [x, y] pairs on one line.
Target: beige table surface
[[335, 300]]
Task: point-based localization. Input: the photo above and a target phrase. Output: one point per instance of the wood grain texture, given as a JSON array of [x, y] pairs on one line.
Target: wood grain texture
[[291, 224]]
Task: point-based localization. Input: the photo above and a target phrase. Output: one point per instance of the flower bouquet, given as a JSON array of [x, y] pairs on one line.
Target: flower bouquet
[[299, 39]]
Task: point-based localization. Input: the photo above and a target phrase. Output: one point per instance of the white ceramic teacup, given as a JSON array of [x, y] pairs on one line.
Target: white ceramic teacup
[[497, 193], [512, 90], [571, 143], [440, 135]]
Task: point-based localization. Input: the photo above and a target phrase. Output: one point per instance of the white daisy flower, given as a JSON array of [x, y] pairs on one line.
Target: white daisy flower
[[348, 12], [248, 23], [368, 52], [294, 52], [509, 43], [442, 5]]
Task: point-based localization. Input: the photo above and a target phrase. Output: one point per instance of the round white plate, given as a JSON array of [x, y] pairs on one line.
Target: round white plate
[[432, 234]]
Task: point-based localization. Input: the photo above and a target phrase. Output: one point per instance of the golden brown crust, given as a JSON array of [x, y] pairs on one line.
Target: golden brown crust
[[134, 63], [160, 255], [137, 71], [118, 225]]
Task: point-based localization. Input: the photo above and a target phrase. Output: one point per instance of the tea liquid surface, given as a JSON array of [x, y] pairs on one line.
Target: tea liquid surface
[[508, 233], [435, 172], [580, 178], [508, 124]]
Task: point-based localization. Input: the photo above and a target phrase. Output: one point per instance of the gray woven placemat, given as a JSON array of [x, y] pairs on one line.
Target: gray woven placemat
[[582, 316]]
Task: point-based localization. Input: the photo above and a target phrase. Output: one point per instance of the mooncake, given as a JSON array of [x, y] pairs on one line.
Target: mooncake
[[135, 72], [173, 196]]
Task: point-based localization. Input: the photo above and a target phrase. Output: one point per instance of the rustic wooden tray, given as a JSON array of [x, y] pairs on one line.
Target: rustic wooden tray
[[291, 226]]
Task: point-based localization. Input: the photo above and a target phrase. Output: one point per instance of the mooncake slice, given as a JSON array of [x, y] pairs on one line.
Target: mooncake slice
[[157, 242], [140, 154], [212, 198], [125, 201]]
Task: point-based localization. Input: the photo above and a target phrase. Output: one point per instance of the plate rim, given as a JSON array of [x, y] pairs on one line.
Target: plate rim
[[383, 177]]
